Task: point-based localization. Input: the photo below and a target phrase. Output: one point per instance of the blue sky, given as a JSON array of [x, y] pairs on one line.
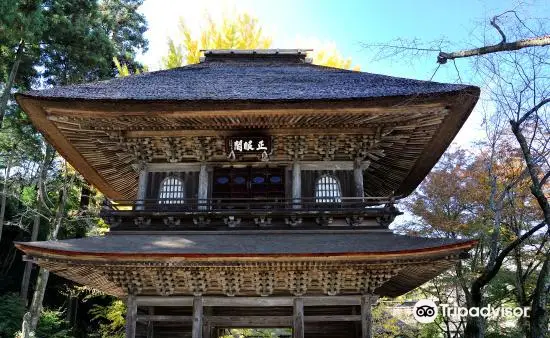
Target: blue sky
[[346, 24]]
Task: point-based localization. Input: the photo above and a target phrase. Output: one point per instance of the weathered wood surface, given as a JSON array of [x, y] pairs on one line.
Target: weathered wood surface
[[212, 301], [296, 184], [150, 324], [298, 318], [197, 317], [203, 187], [358, 178], [131, 316], [367, 302]]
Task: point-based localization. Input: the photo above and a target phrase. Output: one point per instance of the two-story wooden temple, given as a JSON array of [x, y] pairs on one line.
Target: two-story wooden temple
[[253, 189]]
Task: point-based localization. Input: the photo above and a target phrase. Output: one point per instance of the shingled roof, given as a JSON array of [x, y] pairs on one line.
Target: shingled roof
[[247, 243], [279, 77], [406, 261]]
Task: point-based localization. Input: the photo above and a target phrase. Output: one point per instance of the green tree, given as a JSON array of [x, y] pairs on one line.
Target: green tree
[[112, 317], [21, 26], [76, 42]]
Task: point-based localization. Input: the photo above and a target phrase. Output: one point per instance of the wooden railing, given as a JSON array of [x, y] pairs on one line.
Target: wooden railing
[[243, 212], [250, 204]]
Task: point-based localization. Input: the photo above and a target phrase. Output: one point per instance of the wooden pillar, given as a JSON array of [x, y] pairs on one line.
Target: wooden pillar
[[131, 316], [203, 187], [207, 323], [296, 185], [150, 324], [298, 320], [358, 178], [142, 186], [197, 317], [367, 302]]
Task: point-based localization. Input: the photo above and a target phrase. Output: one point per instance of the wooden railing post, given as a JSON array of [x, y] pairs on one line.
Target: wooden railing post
[[131, 316], [296, 185], [358, 178], [203, 188], [298, 318], [142, 186]]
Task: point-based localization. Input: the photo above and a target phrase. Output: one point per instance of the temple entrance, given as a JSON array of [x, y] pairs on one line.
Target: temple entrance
[[249, 183], [253, 332]]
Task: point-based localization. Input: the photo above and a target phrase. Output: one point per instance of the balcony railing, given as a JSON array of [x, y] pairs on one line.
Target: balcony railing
[[230, 211]]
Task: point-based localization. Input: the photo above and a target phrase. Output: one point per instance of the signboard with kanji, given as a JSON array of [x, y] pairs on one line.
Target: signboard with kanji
[[249, 144]]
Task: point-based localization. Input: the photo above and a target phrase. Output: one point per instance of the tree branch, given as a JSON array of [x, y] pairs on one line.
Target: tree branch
[[533, 110], [538, 41], [493, 23], [490, 273]]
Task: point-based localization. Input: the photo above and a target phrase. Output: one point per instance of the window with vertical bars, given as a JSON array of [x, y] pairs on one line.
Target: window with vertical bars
[[172, 191], [327, 190]]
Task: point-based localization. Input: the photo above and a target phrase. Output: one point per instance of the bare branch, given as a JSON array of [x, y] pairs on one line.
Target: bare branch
[[493, 23], [539, 41], [533, 110]]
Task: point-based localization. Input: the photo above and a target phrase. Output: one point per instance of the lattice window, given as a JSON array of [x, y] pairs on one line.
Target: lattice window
[[327, 190], [172, 191]]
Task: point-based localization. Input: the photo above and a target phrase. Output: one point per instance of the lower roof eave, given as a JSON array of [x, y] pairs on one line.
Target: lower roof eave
[[350, 262], [243, 248]]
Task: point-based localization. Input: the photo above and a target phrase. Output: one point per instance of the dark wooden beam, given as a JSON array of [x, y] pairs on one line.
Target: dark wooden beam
[[250, 321], [249, 301], [165, 318], [333, 318]]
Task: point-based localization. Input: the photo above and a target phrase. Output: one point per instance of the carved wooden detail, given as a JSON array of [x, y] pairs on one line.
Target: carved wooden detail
[[354, 220], [197, 281], [392, 140], [231, 281], [201, 220], [324, 220], [142, 221], [262, 221], [171, 222], [264, 282], [129, 280], [165, 281], [298, 282], [331, 281], [263, 278], [294, 147], [368, 280], [293, 220], [232, 221]]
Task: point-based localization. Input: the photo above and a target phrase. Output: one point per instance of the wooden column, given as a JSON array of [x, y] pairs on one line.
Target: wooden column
[[150, 324], [358, 178], [131, 316], [296, 185], [203, 187], [197, 317], [298, 319], [142, 185], [367, 302]]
